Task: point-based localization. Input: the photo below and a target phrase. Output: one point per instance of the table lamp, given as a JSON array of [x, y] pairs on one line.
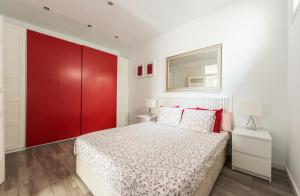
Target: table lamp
[[150, 104], [252, 109]]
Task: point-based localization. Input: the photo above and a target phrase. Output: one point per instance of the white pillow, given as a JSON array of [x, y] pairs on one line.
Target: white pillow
[[169, 116], [197, 120]]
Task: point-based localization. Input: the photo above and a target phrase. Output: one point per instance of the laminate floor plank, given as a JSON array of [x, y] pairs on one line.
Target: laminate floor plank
[[50, 171]]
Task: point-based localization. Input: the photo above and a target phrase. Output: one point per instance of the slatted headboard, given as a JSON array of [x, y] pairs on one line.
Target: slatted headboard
[[197, 100]]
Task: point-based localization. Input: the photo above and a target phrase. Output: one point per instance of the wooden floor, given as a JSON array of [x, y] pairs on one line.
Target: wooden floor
[[50, 170]]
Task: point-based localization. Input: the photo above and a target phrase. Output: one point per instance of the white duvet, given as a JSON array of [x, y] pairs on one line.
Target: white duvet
[[151, 159]]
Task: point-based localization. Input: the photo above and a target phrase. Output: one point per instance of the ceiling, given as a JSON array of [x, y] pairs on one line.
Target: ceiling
[[134, 21]]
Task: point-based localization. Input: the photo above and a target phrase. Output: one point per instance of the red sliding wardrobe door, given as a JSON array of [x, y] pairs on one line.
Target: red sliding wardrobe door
[[53, 89], [99, 90]]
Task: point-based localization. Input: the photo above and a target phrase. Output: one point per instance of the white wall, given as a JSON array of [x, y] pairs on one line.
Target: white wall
[[2, 135], [294, 96], [253, 34], [122, 88]]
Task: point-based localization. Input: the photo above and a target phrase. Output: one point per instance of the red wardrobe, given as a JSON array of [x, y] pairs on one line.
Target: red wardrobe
[[71, 89], [98, 90]]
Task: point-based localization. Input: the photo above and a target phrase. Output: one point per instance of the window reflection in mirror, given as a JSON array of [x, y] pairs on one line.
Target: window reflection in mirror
[[196, 70]]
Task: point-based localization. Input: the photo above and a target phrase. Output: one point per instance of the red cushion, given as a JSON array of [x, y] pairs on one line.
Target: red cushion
[[218, 119]]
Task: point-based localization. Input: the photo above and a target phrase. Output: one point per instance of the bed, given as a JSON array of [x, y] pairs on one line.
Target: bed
[[151, 158]]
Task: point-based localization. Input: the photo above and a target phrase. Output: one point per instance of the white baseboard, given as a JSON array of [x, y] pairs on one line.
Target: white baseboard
[[285, 168], [24, 148], [296, 190], [15, 150], [279, 166]]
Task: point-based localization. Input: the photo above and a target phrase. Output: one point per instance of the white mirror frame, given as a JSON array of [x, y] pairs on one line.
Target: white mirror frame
[[203, 50]]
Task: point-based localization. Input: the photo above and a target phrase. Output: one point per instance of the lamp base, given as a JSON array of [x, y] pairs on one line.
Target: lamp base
[[150, 113], [251, 124]]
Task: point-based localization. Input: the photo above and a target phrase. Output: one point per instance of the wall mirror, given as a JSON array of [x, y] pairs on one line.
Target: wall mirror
[[196, 70]]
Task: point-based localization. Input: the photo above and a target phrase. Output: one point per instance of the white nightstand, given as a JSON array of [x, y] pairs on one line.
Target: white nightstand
[[146, 118], [252, 152]]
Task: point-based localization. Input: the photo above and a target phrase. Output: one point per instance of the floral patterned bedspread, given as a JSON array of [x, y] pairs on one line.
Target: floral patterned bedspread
[[151, 159]]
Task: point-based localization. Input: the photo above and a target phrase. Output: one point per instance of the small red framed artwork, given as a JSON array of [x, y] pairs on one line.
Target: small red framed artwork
[[150, 69], [139, 72]]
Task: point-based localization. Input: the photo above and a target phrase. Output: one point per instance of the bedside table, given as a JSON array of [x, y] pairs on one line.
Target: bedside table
[[252, 152], [146, 118]]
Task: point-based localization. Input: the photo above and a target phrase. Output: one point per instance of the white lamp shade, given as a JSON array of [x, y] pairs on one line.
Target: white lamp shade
[[150, 103], [252, 108]]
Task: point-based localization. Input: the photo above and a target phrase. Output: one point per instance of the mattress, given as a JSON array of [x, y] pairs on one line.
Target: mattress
[[151, 159]]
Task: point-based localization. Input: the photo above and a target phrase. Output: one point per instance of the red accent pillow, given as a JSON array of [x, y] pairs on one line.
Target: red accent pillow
[[218, 119]]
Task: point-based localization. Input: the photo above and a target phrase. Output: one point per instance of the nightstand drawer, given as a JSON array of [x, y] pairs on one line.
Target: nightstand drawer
[[252, 146], [251, 163]]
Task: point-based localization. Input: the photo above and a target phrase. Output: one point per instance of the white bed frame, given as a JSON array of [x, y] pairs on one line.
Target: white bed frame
[[99, 187], [214, 101]]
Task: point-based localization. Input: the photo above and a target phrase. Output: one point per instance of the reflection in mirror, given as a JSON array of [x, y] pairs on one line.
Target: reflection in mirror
[[196, 70]]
